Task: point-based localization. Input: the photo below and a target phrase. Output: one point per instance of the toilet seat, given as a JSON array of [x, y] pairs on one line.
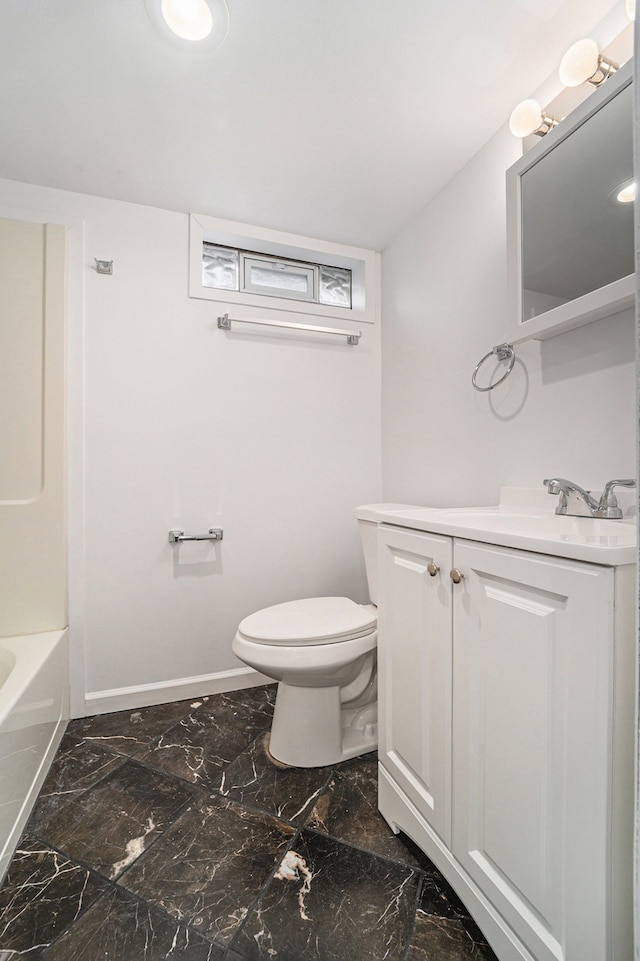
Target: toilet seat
[[312, 620]]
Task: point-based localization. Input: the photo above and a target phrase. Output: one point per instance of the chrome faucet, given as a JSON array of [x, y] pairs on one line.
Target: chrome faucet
[[576, 502]]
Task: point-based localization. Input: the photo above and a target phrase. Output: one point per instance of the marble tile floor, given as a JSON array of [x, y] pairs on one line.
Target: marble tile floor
[[169, 832]]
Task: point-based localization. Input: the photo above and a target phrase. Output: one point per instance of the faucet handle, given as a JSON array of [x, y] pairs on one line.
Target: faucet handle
[[608, 506]]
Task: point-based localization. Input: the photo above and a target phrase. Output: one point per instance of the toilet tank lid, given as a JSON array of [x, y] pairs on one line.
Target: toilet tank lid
[[312, 620]]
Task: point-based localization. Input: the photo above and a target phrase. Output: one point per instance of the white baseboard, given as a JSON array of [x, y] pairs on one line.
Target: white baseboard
[[184, 688]]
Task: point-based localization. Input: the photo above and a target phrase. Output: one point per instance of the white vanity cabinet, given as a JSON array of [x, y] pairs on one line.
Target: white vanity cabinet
[[415, 668], [506, 736]]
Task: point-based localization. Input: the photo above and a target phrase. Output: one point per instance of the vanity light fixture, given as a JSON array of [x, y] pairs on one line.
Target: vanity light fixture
[[203, 23], [583, 63], [529, 117]]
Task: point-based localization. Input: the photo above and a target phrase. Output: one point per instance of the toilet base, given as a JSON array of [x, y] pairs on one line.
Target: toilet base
[[311, 729]]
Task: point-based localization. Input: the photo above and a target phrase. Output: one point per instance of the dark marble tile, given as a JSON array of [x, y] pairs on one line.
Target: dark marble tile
[[331, 902], [437, 898], [43, 894], [260, 699], [130, 732], [121, 928], [445, 939], [78, 765], [204, 742], [211, 865], [444, 929], [110, 825], [348, 810], [255, 778]]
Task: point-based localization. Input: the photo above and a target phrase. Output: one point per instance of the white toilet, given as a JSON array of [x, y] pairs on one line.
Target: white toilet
[[322, 650]]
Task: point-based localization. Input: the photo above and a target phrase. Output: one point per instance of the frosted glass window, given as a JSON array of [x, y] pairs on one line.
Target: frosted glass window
[[230, 268], [278, 278], [220, 267], [272, 277], [335, 286]]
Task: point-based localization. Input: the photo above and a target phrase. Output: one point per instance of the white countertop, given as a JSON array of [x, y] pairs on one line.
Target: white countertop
[[525, 519]]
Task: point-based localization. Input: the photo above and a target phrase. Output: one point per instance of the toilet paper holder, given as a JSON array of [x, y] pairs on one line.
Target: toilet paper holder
[[177, 537]]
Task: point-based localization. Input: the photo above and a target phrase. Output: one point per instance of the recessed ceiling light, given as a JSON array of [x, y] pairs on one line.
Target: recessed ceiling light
[[201, 23], [624, 193], [189, 19]]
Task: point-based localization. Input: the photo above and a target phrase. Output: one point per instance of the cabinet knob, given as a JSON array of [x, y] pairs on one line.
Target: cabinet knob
[[456, 575], [433, 569]]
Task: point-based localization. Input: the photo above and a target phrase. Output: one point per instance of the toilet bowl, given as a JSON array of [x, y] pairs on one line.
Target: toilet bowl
[[323, 653]]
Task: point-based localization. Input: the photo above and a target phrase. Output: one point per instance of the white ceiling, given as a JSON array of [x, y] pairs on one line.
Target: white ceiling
[[333, 118]]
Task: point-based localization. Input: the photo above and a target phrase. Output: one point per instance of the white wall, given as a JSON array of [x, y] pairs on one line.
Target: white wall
[[275, 439], [567, 408]]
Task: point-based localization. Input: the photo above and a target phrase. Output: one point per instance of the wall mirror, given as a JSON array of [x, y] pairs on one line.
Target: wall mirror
[[570, 241]]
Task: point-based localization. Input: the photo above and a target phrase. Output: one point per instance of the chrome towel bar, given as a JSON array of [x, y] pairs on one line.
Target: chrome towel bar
[[224, 323], [177, 537]]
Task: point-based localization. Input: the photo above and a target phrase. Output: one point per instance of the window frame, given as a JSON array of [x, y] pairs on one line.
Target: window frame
[[364, 265]]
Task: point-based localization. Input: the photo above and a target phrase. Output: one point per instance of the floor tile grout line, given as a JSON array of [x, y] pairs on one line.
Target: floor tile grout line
[[113, 887], [263, 891], [149, 766], [412, 927], [200, 789], [182, 809], [125, 758], [356, 847], [199, 792], [39, 835], [84, 867], [81, 794], [202, 708], [74, 797], [138, 759], [276, 868]]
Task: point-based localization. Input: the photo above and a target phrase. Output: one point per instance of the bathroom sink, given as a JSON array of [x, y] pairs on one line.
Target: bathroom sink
[[610, 542], [539, 525]]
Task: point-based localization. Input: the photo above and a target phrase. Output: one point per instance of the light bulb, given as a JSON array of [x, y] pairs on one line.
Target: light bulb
[[582, 63], [579, 63], [630, 7], [529, 117], [525, 118], [189, 19]]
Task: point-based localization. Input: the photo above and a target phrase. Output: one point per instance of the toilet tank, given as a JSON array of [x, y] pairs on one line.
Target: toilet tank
[[368, 520], [369, 537]]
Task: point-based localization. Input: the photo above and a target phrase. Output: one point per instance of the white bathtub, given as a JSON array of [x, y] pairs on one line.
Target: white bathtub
[[34, 710]]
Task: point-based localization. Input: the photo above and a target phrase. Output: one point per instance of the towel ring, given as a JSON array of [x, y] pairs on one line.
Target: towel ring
[[502, 352]]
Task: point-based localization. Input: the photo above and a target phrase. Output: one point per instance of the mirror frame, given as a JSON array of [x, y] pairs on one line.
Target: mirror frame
[[603, 302]]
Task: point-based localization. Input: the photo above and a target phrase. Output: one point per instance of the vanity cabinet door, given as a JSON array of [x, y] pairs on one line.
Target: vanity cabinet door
[[533, 655], [414, 652]]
